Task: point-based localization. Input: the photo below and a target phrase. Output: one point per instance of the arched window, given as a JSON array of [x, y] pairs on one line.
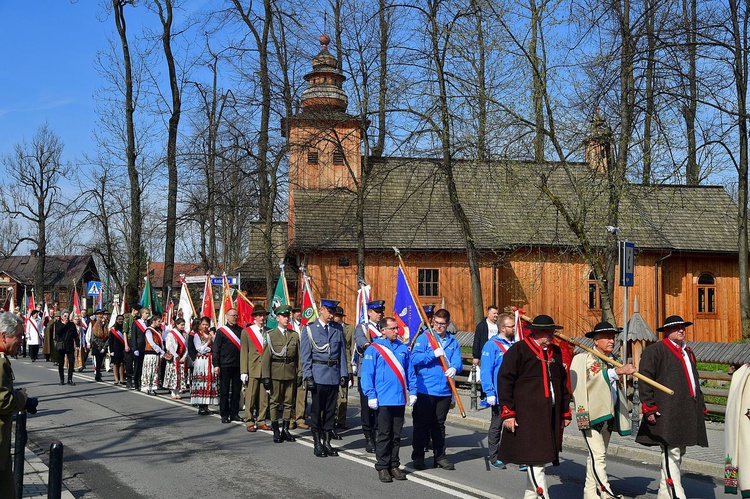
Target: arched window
[[594, 296], [706, 294]]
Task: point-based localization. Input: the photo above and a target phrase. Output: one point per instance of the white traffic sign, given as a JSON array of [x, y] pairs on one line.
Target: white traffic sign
[[95, 288]]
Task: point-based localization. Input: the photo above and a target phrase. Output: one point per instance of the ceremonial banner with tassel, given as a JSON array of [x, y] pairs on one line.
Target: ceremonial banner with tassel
[[280, 297], [363, 296], [429, 331], [309, 310], [207, 304], [186, 304], [226, 301]]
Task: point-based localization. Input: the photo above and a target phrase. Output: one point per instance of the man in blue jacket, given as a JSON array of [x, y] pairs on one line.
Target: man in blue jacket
[[389, 383], [433, 391], [324, 368], [492, 358]]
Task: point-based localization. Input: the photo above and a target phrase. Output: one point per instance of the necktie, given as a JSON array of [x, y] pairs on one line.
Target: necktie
[[326, 329]]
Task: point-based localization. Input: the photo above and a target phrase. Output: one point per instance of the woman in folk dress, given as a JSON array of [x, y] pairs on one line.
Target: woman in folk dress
[[204, 385], [152, 355], [175, 375]]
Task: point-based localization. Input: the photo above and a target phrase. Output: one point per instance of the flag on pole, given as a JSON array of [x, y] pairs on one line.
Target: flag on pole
[[207, 304], [113, 315], [363, 296], [31, 305], [186, 305], [146, 296], [280, 297], [45, 314], [226, 301], [8, 305], [405, 308], [77, 307], [169, 316], [244, 310], [309, 311], [124, 305]]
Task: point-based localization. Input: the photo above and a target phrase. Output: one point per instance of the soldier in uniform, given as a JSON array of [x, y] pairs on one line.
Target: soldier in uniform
[[338, 317], [256, 399], [280, 371], [300, 396], [364, 335], [324, 368], [226, 357]]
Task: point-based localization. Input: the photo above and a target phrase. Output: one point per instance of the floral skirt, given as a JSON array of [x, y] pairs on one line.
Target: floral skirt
[[175, 378], [150, 375], [204, 385]]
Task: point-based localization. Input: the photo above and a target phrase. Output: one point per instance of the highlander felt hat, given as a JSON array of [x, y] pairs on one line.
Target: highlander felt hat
[[602, 327], [259, 310], [543, 322], [673, 321], [339, 311]]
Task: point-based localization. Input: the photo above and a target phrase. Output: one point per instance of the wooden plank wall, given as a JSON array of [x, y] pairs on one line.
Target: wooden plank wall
[[542, 281]]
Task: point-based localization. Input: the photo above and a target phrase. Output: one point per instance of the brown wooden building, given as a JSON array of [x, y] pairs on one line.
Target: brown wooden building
[[685, 236]]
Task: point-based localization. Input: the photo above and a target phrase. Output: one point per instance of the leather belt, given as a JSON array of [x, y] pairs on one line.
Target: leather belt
[[329, 363], [283, 361]]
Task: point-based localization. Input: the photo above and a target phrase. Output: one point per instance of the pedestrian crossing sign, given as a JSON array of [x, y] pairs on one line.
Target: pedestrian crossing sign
[[95, 288]]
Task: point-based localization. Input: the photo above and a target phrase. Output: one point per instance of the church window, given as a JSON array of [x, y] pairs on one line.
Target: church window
[[706, 294], [312, 157], [594, 295], [338, 156], [428, 282]]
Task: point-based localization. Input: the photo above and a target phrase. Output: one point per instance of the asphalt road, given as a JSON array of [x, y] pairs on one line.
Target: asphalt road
[[123, 444]]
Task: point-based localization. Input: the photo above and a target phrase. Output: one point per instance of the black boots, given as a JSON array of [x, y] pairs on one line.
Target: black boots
[[277, 438], [285, 435], [327, 444], [317, 446], [336, 435], [370, 441]]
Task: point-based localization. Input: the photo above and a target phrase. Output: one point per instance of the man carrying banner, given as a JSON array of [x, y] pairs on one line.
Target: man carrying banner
[[600, 406], [364, 335], [534, 404], [324, 368], [256, 398], [226, 357], [280, 371], [389, 383], [433, 391], [342, 403], [493, 353]]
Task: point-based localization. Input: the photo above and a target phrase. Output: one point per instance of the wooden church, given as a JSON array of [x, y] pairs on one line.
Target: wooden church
[[685, 236]]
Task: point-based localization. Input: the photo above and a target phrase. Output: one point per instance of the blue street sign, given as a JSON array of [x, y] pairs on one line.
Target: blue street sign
[[94, 288], [627, 263], [219, 281]]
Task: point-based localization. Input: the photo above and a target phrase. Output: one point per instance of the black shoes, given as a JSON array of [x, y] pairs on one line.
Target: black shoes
[[277, 438], [397, 474], [369, 441], [62, 382], [203, 410], [237, 417], [225, 419], [71, 382], [384, 476], [418, 464], [285, 432]]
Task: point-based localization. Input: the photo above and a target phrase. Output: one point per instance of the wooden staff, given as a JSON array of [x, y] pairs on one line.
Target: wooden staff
[[609, 360], [430, 334]]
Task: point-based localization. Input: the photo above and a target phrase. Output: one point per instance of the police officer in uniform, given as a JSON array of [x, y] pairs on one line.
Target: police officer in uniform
[[324, 368], [280, 370], [364, 335]]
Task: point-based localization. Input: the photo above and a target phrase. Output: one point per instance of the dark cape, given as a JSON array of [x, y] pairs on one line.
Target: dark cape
[[682, 415], [522, 395]]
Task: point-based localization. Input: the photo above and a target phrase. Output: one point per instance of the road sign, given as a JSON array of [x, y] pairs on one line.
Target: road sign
[[95, 287], [627, 263], [219, 281]]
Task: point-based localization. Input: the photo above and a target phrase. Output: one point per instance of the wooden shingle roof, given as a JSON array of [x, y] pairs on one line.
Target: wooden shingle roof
[[407, 206]]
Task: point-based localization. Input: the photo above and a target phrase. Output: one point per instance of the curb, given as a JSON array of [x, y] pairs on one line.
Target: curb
[[35, 466]]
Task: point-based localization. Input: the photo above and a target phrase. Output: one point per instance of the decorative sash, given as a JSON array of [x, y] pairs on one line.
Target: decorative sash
[[140, 325], [395, 365], [372, 332], [258, 342], [500, 345], [33, 323], [180, 341], [231, 336], [117, 334]]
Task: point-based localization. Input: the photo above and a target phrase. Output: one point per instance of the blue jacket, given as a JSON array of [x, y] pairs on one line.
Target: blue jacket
[[430, 376], [491, 360], [378, 379], [322, 373]]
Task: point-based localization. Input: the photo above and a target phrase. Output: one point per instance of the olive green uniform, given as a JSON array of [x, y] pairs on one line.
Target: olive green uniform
[[280, 363], [11, 401]]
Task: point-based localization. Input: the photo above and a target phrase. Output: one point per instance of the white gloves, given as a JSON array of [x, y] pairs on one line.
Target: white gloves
[[450, 372], [439, 352], [351, 382], [136, 353], [372, 404], [492, 400], [412, 400], [245, 378]]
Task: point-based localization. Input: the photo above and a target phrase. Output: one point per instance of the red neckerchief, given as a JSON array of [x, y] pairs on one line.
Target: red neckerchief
[[676, 350], [544, 357]]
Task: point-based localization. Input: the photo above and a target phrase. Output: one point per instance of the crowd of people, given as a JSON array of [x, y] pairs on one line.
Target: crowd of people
[[296, 376]]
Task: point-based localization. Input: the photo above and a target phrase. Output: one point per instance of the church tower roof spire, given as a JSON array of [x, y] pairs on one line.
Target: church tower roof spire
[[326, 80]]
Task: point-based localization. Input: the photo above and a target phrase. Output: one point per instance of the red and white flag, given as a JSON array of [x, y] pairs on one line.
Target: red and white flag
[[226, 301], [244, 310], [77, 308], [309, 311], [207, 305]]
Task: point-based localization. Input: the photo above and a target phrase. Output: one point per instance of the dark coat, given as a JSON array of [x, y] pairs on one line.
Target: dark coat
[[68, 334], [521, 394], [137, 336], [481, 335], [682, 415], [116, 347], [225, 352]]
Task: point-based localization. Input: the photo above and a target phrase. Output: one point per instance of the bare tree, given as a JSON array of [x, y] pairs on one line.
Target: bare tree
[[32, 190]]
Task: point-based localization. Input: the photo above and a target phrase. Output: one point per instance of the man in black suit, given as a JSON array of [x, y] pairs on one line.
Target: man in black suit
[[484, 331]]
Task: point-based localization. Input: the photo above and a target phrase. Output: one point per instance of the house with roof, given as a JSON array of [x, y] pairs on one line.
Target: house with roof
[[686, 260], [62, 274]]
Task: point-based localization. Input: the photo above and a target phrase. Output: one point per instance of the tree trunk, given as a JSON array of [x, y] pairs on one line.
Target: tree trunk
[[690, 109], [539, 78], [650, 99], [135, 250]]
